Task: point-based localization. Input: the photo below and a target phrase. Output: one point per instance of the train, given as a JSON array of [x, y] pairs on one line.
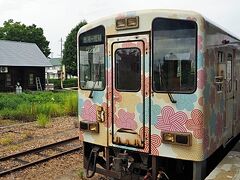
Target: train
[[158, 94]]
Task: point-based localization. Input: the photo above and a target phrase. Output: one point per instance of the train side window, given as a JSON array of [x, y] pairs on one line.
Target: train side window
[[174, 55], [128, 69]]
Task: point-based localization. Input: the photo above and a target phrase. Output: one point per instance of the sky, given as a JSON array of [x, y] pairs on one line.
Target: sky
[[58, 17]]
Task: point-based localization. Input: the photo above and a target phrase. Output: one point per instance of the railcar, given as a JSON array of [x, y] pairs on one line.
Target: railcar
[[158, 94]]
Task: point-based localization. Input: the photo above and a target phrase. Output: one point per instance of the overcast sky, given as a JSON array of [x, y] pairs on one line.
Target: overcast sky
[[58, 17]]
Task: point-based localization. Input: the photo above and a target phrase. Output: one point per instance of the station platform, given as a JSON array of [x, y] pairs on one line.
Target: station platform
[[229, 167]]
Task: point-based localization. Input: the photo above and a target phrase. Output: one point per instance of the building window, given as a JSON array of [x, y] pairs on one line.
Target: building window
[[31, 79], [8, 80]]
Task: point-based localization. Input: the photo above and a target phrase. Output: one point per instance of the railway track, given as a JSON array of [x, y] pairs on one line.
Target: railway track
[[18, 161]]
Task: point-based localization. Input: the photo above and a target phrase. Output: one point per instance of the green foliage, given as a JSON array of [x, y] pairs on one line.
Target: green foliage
[[42, 120], [70, 50], [71, 105], [49, 109], [16, 31], [66, 83], [27, 106], [70, 83]]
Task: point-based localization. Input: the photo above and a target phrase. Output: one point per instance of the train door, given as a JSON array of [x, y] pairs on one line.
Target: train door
[[129, 90], [229, 90]]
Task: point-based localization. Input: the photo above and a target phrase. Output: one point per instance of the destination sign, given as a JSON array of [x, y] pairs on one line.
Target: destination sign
[[95, 38]]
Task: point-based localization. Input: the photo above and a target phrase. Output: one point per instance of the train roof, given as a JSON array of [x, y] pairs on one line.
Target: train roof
[[152, 14]]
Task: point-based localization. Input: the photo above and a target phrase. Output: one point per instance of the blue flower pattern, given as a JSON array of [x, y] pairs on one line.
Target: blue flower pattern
[[80, 105], [185, 101], [98, 97], [155, 111]]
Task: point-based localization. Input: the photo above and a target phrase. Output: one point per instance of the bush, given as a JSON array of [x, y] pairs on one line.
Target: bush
[[66, 83], [42, 120], [70, 83]]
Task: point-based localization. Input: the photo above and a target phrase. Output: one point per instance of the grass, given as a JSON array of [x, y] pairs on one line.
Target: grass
[[7, 122], [80, 174], [28, 106], [70, 105], [42, 120], [6, 140]]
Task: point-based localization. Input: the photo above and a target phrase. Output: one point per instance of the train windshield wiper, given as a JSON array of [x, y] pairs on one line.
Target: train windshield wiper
[[92, 89], [162, 79], [171, 98], [96, 80]]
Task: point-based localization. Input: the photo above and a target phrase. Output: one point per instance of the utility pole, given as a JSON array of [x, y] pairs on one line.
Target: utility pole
[[61, 64]]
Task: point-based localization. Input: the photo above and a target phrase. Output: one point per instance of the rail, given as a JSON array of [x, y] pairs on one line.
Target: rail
[[18, 161]]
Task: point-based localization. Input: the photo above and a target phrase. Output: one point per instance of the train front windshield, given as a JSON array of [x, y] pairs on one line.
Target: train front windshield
[[174, 55], [91, 64]]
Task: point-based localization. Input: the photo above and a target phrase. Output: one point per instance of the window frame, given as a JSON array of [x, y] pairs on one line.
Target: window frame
[[103, 42], [115, 70], [9, 82], [196, 55]]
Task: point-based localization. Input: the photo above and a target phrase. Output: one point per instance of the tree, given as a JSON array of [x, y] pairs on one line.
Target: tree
[[70, 50], [16, 31]]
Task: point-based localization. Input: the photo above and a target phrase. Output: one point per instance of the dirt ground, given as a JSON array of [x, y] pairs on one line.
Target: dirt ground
[[22, 136]]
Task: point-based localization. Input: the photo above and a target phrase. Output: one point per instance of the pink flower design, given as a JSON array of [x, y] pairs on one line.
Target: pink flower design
[[196, 123], [155, 141], [201, 79], [125, 120], [171, 121], [200, 101], [89, 111], [200, 42]]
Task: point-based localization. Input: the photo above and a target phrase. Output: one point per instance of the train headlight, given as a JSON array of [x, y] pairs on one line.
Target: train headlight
[[120, 23], [184, 139], [127, 23], [89, 126], [168, 137]]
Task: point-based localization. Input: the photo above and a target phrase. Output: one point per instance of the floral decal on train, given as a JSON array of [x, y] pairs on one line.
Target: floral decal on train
[[155, 141], [201, 79], [196, 124], [171, 120], [185, 101], [154, 111], [125, 120], [88, 111], [98, 97]]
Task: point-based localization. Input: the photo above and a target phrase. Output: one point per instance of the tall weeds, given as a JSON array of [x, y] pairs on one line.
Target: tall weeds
[[28, 106]]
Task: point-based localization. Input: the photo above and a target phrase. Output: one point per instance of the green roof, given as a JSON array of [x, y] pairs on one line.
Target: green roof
[[56, 61]]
